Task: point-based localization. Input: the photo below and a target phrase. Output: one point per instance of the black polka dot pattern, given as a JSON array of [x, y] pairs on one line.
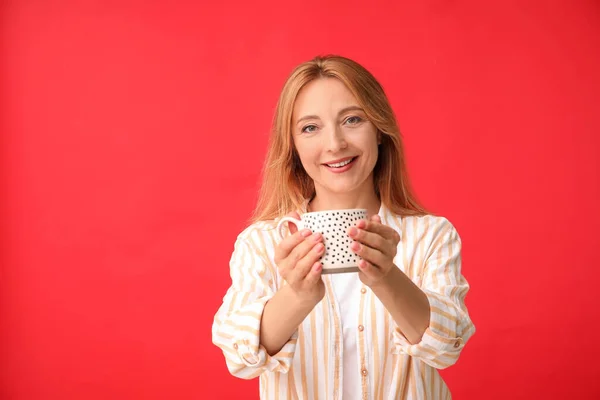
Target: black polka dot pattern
[[333, 225]]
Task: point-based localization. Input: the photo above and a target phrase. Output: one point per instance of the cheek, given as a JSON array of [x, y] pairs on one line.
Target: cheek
[[370, 148], [307, 153], [368, 138]]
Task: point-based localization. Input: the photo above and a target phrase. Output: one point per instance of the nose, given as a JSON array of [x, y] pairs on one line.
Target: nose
[[335, 140]]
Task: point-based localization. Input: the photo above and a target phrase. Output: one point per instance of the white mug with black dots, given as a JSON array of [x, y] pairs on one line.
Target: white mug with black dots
[[333, 226]]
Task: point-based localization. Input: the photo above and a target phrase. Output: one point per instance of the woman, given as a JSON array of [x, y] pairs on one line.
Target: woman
[[381, 333]]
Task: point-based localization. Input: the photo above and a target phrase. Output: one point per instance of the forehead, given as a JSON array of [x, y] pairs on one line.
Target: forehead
[[323, 96]]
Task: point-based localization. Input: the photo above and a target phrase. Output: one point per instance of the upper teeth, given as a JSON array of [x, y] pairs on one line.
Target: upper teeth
[[340, 164]]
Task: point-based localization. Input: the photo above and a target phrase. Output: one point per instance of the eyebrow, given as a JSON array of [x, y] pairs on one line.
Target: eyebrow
[[342, 111]]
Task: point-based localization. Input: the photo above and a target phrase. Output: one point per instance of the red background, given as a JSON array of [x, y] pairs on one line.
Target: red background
[[132, 137]]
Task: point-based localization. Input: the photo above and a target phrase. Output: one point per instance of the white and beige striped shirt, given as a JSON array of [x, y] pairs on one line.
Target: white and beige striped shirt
[[310, 365]]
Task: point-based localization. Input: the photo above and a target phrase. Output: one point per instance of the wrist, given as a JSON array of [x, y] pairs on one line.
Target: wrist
[[386, 283], [304, 301], [307, 302]]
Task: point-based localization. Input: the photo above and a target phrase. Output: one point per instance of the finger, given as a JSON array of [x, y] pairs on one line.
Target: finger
[[314, 274], [373, 256], [376, 218], [289, 243], [373, 273], [304, 266], [379, 228], [301, 250], [373, 240]]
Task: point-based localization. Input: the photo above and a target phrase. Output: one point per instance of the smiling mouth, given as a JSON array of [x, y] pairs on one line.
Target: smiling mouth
[[341, 164]]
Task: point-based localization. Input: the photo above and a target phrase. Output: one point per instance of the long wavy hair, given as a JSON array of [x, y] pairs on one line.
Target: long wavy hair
[[286, 186]]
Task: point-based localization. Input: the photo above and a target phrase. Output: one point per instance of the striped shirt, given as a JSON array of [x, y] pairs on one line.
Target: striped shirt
[[310, 365]]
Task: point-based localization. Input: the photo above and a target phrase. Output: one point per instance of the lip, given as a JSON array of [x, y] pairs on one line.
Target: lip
[[339, 160], [344, 168]]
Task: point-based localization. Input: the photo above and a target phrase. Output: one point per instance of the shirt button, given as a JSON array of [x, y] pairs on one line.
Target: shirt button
[[364, 372], [361, 328], [363, 290], [235, 346], [457, 344]]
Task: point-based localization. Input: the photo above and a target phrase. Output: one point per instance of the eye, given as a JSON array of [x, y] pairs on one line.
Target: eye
[[353, 120], [309, 128]]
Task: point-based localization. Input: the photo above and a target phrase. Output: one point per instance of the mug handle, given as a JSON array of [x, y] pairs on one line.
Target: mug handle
[[295, 221]]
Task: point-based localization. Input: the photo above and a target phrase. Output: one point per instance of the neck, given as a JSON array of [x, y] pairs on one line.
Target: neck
[[366, 199]]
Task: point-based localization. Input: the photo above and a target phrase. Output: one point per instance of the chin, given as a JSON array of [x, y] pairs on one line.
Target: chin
[[341, 189]]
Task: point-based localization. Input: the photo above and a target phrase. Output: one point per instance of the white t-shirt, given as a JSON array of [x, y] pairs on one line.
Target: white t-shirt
[[347, 287]]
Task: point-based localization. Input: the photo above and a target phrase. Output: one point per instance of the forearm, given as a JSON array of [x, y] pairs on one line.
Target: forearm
[[282, 315], [406, 302]]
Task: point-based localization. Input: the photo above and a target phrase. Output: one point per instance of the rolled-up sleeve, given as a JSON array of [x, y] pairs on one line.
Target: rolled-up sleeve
[[450, 326], [236, 325]]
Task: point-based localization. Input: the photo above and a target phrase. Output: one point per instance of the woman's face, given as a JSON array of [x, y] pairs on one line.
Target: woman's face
[[336, 143]]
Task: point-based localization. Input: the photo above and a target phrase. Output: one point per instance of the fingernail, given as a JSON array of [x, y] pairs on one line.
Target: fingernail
[[305, 233], [361, 224], [319, 247], [355, 246], [316, 236], [353, 231]]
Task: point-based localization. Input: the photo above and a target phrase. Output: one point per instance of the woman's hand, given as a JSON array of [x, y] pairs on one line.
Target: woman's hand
[[297, 257], [377, 245]]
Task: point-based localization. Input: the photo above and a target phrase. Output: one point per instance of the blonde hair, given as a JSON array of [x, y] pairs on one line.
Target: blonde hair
[[286, 185]]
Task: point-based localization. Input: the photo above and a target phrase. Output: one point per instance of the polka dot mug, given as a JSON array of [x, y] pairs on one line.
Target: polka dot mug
[[333, 225]]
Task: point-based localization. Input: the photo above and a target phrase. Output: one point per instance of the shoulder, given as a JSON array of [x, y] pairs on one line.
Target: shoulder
[[426, 227], [259, 234], [267, 229], [430, 222], [258, 228]]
